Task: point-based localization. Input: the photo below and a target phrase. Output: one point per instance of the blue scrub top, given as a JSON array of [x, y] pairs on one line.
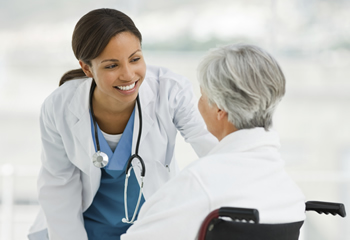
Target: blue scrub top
[[103, 219]]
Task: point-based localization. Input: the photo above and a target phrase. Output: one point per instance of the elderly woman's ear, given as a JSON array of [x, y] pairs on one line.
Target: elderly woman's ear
[[221, 114]]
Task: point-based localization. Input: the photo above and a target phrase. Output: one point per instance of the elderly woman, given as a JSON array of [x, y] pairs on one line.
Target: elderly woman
[[241, 86]]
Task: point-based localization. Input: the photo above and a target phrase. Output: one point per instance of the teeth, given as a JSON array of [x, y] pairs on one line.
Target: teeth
[[125, 88]]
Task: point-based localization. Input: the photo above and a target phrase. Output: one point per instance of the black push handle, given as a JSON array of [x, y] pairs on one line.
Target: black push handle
[[326, 208], [247, 214]]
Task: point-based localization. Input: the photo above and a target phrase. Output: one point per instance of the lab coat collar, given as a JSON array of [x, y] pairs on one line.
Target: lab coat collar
[[247, 139], [79, 107]]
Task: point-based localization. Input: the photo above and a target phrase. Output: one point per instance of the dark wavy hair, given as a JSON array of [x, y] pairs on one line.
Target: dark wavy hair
[[93, 32]]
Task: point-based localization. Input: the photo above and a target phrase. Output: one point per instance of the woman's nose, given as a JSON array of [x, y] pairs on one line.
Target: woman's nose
[[127, 73]]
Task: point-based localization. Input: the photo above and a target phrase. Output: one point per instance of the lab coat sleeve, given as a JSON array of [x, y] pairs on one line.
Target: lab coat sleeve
[[59, 184], [188, 120], [175, 212]]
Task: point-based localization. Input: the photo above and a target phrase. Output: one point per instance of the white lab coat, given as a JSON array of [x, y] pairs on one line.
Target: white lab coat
[[68, 180], [244, 170]]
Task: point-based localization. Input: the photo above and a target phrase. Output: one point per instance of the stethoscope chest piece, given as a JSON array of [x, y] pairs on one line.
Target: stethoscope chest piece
[[100, 159]]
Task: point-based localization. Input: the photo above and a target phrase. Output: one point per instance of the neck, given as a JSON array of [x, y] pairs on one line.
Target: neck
[[227, 128], [108, 105]]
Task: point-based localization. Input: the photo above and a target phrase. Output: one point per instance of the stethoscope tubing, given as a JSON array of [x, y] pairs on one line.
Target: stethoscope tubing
[[136, 155], [92, 89]]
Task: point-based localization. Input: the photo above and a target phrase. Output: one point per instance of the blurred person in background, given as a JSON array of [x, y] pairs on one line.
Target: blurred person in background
[[241, 86], [110, 109]]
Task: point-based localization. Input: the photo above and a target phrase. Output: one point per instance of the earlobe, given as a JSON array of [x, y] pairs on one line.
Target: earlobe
[[85, 68]]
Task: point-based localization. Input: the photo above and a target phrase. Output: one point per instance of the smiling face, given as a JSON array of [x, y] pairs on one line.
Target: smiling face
[[118, 71]]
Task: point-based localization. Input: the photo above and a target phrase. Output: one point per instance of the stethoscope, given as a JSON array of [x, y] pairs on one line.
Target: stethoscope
[[100, 159]]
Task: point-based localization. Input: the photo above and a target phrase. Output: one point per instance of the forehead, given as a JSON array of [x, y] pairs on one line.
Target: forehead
[[121, 45]]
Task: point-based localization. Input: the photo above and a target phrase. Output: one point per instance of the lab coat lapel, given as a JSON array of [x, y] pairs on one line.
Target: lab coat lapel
[[146, 95], [81, 130]]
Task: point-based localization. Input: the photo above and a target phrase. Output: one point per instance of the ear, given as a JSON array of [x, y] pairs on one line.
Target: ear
[[221, 114], [86, 69]]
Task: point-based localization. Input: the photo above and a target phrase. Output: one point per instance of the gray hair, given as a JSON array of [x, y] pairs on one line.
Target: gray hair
[[244, 81]]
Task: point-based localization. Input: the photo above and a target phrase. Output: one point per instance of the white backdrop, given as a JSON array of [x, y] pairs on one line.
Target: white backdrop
[[310, 39]]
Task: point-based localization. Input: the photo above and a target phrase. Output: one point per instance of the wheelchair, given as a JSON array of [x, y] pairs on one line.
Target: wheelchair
[[229, 223]]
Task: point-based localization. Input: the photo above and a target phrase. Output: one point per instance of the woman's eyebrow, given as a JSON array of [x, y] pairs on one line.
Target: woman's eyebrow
[[138, 50], [116, 60]]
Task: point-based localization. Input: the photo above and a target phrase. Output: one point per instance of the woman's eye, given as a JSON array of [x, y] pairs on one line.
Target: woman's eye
[[111, 66], [135, 59]]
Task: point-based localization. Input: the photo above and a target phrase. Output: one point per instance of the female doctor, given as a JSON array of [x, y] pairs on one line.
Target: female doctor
[[114, 108]]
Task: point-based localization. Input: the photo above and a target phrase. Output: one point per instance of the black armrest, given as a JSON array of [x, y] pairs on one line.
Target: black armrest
[[326, 207], [247, 214]]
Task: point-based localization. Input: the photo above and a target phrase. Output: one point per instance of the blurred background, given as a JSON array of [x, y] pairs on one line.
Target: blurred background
[[309, 38]]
